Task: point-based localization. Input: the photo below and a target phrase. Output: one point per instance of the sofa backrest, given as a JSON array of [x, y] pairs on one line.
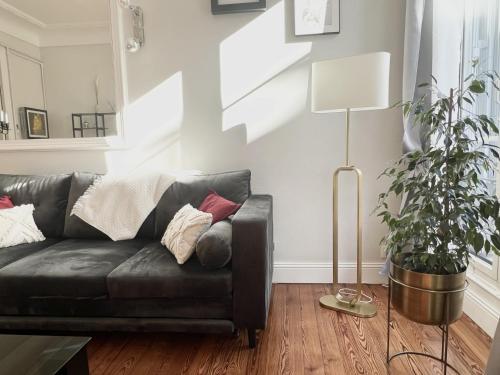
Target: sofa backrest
[[55, 195], [193, 189], [77, 228], [49, 195]]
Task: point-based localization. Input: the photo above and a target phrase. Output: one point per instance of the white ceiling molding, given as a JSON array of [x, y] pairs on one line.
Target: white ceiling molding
[[19, 13], [82, 25], [19, 28], [29, 29]]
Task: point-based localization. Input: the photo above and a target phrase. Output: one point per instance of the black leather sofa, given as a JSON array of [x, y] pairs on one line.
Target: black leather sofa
[[78, 280]]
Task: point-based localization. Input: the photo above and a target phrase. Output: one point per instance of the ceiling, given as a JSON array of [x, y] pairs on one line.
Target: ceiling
[[61, 12]]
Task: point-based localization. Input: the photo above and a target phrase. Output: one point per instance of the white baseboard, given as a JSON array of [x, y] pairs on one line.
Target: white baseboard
[[481, 312], [305, 273]]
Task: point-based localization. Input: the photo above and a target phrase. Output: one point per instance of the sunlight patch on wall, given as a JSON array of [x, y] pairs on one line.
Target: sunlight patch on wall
[[270, 106], [152, 125], [256, 53]]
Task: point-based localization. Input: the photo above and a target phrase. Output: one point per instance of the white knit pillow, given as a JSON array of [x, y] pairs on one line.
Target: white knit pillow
[[184, 230], [17, 226]]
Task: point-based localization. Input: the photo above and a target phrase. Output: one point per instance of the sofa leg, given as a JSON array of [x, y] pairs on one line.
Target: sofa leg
[[251, 337]]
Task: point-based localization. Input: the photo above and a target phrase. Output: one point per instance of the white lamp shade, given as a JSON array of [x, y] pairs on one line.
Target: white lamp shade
[[356, 83]]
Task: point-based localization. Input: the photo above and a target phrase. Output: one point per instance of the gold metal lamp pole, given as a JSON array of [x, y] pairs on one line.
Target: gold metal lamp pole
[[348, 84], [348, 300]]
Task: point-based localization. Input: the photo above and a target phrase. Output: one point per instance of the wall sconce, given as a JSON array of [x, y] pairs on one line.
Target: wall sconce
[[135, 42]]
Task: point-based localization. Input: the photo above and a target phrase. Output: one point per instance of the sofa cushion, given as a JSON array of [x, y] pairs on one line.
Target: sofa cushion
[[214, 246], [154, 273], [234, 186], [220, 207], [13, 253], [5, 202], [184, 230], [17, 226], [70, 268], [49, 195], [74, 227]]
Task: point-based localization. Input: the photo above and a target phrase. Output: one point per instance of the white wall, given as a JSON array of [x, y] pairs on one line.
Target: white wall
[[70, 73], [176, 118]]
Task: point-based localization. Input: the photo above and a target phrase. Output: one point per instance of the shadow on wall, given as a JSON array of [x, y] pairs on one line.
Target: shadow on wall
[[260, 87]]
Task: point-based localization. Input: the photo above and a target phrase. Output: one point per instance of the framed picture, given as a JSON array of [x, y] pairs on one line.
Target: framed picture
[[237, 6], [316, 17], [36, 122]]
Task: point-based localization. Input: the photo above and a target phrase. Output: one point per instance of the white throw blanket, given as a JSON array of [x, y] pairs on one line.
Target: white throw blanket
[[117, 205]]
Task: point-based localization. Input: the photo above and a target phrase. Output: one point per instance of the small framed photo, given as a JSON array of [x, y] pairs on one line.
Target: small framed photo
[[237, 6], [316, 17], [36, 122]]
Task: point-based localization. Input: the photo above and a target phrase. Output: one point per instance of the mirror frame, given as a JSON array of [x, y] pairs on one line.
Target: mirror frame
[[121, 94]]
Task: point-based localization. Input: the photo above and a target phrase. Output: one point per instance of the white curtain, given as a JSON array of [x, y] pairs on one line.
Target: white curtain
[[412, 51], [414, 68]]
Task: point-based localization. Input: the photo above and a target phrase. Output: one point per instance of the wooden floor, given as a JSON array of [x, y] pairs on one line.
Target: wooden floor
[[301, 338]]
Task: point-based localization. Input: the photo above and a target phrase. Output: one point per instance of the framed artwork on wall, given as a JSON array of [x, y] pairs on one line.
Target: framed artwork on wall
[[316, 17], [36, 122], [237, 6]]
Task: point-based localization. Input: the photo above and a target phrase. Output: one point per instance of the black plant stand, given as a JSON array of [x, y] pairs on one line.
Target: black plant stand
[[444, 328], [77, 120]]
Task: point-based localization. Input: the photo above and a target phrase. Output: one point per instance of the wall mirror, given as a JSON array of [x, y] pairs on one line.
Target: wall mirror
[[60, 74]]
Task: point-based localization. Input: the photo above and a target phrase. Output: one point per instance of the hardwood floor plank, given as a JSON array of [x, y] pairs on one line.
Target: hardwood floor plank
[[311, 344], [401, 365], [301, 338], [332, 360], [275, 358], [127, 359], [107, 353], [293, 314]]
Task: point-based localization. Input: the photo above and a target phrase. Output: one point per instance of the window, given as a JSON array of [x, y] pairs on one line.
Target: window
[[482, 44]]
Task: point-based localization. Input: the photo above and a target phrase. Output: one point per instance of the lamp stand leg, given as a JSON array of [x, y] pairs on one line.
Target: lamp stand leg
[[348, 300]]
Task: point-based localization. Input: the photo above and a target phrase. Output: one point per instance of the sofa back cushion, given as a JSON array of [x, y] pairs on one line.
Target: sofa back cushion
[[234, 186], [49, 195], [77, 228]]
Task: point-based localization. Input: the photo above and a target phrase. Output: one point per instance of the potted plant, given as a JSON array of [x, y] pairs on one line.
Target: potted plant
[[448, 212]]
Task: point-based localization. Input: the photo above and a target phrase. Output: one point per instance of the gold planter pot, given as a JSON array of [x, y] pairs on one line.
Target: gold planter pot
[[422, 297]]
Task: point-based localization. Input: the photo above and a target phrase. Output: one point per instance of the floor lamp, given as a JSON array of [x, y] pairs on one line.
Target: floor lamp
[[343, 85]]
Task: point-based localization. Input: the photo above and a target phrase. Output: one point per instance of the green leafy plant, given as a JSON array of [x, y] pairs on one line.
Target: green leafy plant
[[448, 211]]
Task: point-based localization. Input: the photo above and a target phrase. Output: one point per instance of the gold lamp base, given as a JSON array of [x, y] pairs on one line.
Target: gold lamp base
[[359, 309]]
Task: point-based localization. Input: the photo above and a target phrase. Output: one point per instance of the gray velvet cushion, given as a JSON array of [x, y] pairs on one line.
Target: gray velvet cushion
[[234, 186], [77, 228], [49, 195], [154, 273], [70, 268], [74, 227], [214, 246], [13, 253]]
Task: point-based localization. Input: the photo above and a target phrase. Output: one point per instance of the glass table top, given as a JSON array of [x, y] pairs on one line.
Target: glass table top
[[37, 355]]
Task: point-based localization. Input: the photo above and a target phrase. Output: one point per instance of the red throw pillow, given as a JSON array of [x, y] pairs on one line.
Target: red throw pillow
[[220, 208], [5, 202]]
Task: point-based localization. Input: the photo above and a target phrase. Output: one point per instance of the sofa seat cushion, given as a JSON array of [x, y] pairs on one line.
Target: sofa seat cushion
[[154, 273], [13, 253], [70, 268]]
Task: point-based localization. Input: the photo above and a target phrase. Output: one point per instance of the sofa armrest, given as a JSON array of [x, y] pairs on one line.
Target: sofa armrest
[[252, 262]]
